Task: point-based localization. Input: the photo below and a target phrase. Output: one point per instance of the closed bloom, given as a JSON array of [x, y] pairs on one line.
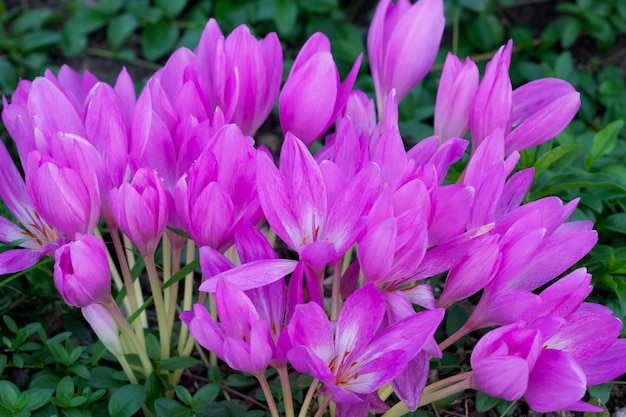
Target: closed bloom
[[81, 272], [141, 209], [103, 324], [313, 97], [455, 94], [402, 44], [244, 74]]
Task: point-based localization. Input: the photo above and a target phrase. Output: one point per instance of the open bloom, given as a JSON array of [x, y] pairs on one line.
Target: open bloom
[[357, 357]]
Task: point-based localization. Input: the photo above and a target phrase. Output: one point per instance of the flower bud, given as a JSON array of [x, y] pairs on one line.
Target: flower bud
[[81, 272], [103, 324]]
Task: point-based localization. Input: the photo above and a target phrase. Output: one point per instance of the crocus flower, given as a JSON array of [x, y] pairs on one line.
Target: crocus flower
[[455, 94], [103, 324], [244, 74], [81, 272], [402, 44], [357, 357], [242, 337], [37, 238], [310, 206], [141, 209], [312, 97]]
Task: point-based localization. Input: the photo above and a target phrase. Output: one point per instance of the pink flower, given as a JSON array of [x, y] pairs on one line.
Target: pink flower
[[244, 74], [455, 94], [402, 44], [81, 272], [312, 97], [141, 209]]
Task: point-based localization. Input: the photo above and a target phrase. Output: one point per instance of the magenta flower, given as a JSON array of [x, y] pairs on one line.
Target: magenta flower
[[308, 207], [81, 272], [218, 192], [455, 94], [357, 357], [244, 74], [37, 237], [242, 337], [141, 209], [402, 45], [312, 97]]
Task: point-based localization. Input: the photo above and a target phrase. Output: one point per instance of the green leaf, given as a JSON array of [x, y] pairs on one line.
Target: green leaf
[[604, 142], [570, 32], [65, 387], [485, 402], [127, 400], [320, 6], [553, 155], [602, 392], [58, 351], [110, 7], [564, 65], [37, 40], [240, 380], [183, 394], [103, 377], [477, 6], [30, 20], [171, 8], [120, 28], [86, 21], [285, 16], [157, 39], [3, 362], [37, 398], [579, 179], [615, 222], [190, 267], [8, 393], [177, 362], [10, 323], [485, 32], [166, 407], [204, 397], [8, 75], [81, 370]]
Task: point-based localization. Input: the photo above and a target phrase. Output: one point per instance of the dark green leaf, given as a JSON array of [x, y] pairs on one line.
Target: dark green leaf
[[615, 222], [240, 380], [285, 16], [485, 402], [570, 32], [166, 407], [39, 39], [604, 142], [320, 6], [485, 32], [30, 20], [65, 387], [157, 39], [120, 28], [171, 8], [103, 377], [8, 393], [8, 75], [203, 398], [602, 392], [81, 370], [553, 155], [37, 398], [10, 323], [178, 362], [189, 268], [110, 7], [474, 5], [183, 394], [86, 21], [127, 400]]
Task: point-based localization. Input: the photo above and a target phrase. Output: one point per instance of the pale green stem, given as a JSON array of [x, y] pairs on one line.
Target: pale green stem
[[117, 279], [346, 259], [133, 297], [213, 311], [159, 305], [307, 399], [465, 329], [130, 256], [166, 249], [173, 299], [335, 300], [126, 367], [130, 335], [188, 297], [431, 397], [271, 237], [455, 29], [324, 404], [283, 374], [435, 386], [265, 386]]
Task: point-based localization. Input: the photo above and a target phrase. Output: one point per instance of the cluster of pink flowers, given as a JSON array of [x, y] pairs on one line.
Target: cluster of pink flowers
[[181, 157]]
